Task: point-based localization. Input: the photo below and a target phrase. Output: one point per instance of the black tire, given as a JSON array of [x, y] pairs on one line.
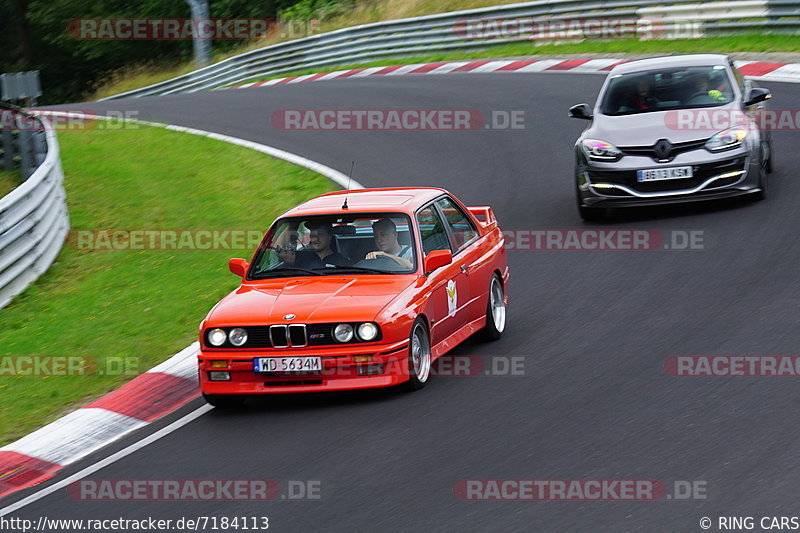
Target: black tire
[[418, 374], [592, 214], [762, 184], [495, 322], [770, 157], [223, 401]]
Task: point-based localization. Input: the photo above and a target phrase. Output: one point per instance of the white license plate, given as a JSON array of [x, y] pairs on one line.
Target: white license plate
[[655, 174], [287, 364]]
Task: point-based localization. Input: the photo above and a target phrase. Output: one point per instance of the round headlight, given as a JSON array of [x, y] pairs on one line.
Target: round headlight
[[343, 332], [237, 336], [217, 337], [367, 331]]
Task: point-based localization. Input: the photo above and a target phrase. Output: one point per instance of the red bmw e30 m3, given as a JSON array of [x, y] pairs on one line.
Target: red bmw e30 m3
[[356, 289]]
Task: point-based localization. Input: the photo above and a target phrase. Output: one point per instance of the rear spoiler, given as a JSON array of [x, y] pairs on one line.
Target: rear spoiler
[[485, 216]]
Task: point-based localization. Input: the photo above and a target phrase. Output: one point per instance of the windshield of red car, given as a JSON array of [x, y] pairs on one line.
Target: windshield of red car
[[371, 243], [665, 89]]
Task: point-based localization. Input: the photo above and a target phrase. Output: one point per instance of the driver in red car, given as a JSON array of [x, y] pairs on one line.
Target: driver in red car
[[318, 253], [385, 233]]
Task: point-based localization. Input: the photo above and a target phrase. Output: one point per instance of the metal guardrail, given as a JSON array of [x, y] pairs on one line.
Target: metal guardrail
[[33, 217], [436, 33], [23, 145], [20, 86]]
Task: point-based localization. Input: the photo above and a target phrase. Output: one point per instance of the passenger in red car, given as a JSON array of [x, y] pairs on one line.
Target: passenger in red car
[[385, 232]]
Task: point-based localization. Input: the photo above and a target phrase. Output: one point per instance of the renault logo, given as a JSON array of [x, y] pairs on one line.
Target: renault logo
[[663, 149], [290, 316]]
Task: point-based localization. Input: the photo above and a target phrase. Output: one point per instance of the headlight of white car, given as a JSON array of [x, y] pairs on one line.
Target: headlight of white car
[[600, 150], [727, 139]]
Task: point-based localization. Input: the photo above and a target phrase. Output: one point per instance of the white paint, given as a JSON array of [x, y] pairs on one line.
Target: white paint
[[789, 73], [541, 65], [298, 79], [332, 75], [491, 66], [38, 495], [183, 364], [367, 72], [593, 65], [449, 67], [405, 69], [75, 435]]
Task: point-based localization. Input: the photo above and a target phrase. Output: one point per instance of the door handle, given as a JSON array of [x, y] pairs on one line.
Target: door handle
[[464, 269]]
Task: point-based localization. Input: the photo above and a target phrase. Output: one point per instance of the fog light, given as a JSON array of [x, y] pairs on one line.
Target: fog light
[[219, 376], [369, 370], [362, 358], [218, 364]]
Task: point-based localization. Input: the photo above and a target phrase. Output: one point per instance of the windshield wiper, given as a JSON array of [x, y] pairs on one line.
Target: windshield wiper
[[360, 269], [285, 270]]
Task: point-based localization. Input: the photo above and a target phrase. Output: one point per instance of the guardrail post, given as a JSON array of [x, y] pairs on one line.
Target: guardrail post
[[26, 162], [39, 147], [202, 47], [7, 144]]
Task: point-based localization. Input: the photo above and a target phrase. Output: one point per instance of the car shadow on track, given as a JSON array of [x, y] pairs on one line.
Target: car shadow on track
[[646, 213], [295, 402]]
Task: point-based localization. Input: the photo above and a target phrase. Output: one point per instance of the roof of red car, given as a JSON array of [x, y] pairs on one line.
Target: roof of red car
[[401, 199]]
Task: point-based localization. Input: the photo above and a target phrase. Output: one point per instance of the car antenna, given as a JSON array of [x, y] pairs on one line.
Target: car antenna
[[349, 178]]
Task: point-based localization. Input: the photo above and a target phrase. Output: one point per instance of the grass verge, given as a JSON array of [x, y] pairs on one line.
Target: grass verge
[[8, 181], [141, 305]]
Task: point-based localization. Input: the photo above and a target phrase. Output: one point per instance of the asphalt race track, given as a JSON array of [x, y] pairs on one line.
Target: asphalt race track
[[594, 329]]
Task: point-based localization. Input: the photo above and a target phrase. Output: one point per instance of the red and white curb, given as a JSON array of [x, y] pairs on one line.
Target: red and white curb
[[785, 72], [36, 457], [159, 391]]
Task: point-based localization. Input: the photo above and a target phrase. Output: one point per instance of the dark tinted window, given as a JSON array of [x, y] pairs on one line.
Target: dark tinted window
[[432, 232], [460, 225]]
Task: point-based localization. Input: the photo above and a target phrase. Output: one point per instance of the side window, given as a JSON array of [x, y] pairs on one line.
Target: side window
[[460, 224], [432, 232]]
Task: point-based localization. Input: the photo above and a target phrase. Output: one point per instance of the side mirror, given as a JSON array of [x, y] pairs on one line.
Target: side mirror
[[437, 259], [238, 267], [757, 95], [581, 111]]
